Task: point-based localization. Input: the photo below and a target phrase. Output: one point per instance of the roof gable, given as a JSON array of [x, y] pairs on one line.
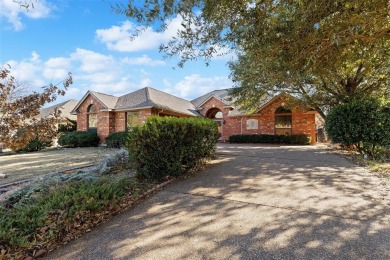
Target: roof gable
[[221, 94], [109, 101], [100, 97]]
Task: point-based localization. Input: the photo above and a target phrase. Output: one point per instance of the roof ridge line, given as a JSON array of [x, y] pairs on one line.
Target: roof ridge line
[[170, 94], [102, 93]]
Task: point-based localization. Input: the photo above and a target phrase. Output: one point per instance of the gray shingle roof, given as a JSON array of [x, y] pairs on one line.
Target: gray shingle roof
[[221, 94], [150, 97], [108, 100], [66, 107]]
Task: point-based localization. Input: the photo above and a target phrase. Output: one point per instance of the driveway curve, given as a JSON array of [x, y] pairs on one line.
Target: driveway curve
[[253, 202]]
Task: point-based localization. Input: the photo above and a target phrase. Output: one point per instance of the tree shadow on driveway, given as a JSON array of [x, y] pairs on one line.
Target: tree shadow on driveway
[[269, 202]]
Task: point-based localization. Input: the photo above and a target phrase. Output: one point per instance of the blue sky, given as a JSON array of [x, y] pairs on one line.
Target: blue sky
[[85, 38]]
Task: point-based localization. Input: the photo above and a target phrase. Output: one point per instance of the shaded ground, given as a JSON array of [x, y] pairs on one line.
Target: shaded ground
[[253, 202], [30, 165]]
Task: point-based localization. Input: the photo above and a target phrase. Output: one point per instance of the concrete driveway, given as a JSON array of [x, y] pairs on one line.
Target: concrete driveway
[[253, 202]]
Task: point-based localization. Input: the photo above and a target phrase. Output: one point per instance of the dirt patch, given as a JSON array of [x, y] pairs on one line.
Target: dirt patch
[[30, 165]]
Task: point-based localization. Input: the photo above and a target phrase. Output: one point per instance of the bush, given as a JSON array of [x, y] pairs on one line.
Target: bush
[[169, 146], [270, 139], [79, 139], [34, 145], [364, 123], [116, 140]]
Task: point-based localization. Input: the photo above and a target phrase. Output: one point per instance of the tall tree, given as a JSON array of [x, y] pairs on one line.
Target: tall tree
[[18, 115], [322, 51]]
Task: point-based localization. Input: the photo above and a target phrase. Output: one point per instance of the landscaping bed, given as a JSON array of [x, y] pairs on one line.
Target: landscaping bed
[[58, 208]]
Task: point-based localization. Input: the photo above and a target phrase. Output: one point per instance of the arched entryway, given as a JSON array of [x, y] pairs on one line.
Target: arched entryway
[[216, 115], [283, 121]]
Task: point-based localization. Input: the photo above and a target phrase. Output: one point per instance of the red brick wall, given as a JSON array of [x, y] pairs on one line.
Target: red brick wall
[[302, 122], [109, 122], [119, 123], [103, 118]]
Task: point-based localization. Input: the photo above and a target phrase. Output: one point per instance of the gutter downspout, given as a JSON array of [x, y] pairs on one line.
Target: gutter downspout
[[158, 113]]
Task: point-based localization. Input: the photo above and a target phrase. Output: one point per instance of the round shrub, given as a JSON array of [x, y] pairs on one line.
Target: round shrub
[[169, 146], [79, 139], [116, 140], [364, 123], [34, 146]]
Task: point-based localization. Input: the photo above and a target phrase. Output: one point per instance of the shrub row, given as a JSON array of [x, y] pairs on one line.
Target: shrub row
[[79, 139], [50, 212], [169, 146], [270, 139], [116, 140]]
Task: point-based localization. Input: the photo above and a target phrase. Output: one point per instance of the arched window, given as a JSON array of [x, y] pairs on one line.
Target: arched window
[[92, 118], [283, 121]]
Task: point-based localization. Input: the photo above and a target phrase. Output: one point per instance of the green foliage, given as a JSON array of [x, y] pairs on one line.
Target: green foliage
[[79, 139], [70, 126], [116, 140], [324, 52], [270, 139], [21, 221], [169, 146], [35, 145], [364, 123]]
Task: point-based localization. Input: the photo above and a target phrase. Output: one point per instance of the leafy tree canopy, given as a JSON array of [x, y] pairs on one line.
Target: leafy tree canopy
[[19, 123], [325, 52]]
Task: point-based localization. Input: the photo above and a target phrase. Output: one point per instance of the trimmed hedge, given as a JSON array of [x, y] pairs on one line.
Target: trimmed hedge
[[270, 139], [169, 146], [79, 139], [116, 140], [363, 122]]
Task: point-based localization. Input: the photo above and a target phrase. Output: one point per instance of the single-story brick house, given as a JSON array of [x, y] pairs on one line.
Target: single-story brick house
[[108, 114]]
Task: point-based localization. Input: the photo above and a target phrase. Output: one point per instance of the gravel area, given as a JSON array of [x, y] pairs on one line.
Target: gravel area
[[25, 166]]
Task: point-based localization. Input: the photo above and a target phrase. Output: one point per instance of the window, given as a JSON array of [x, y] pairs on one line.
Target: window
[[131, 120], [92, 118], [252, 124], [283, 121]]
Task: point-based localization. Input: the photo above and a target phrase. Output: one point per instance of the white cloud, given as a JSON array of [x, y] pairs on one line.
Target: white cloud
[[107, 74], [118, 37], [12, 11], [92, 61], [26, 69], [143, 60], [195, 85], [57, 68]]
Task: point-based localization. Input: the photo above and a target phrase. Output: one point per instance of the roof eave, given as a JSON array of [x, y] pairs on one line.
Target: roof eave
[[83, 99]]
